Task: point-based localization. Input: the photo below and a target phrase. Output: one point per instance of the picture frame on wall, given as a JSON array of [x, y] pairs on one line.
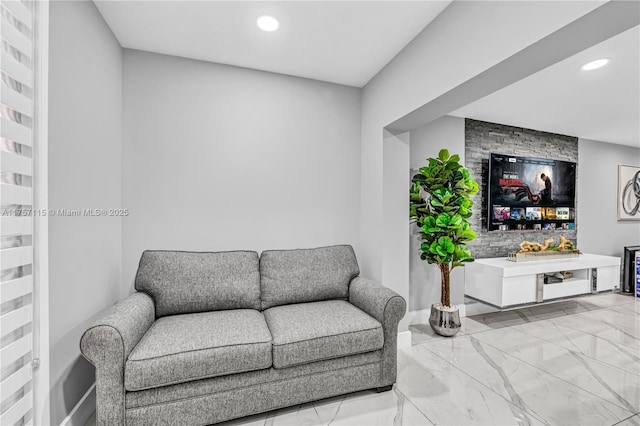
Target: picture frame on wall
[[628, 192]]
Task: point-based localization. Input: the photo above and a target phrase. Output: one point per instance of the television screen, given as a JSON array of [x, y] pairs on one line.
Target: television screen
[[528, 193]]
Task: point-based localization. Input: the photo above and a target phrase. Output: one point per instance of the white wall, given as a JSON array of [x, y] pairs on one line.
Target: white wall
[[85, 166], [396, 264], [222, 158], [599, 230], [424, 279], [464, 40], [427, 141]]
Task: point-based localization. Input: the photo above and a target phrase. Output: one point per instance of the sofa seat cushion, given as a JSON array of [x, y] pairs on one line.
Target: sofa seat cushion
[[187, 347], [308, 332]]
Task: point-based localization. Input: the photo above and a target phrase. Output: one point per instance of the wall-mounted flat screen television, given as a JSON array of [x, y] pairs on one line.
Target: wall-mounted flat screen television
[[527, 193]]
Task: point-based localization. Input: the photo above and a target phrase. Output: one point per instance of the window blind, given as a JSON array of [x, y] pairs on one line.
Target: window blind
[[16, 216]]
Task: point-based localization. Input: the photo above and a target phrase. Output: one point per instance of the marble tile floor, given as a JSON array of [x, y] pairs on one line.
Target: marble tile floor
[[574, 362]]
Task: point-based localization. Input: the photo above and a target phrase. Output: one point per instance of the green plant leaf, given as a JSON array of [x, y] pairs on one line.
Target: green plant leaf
[[462, 252], [474, 187], [446, 244], [430, 229], [425, 171], [418, 177], [455, 158], [443, 155], [456, 221], [468, 235], [435, 202], [450, 247], [443, 194], [415, 199], [443, 240], [433, 247], [453, 165], [443, 220]]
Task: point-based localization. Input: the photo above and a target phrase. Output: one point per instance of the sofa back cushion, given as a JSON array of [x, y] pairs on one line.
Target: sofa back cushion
[[306, 275], [183, 282]]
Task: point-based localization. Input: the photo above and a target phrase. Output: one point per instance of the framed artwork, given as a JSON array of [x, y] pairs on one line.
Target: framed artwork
[[628, 193]]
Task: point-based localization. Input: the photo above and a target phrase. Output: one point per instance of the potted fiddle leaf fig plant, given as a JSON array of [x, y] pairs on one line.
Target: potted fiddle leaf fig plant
[[440, 206]]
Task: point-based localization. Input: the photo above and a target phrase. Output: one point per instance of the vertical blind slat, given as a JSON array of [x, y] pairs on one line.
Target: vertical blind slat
[[15, 319], [18, 287], [19, 10], [14, 194], [17, 411], [14, 257], [16, 163], [11, 130], [16, 225], [16, 381], [15, 38], [14, 100], [15, 351], [17, 70]]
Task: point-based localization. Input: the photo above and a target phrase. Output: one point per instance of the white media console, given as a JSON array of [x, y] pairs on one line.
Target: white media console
[[503, 283]]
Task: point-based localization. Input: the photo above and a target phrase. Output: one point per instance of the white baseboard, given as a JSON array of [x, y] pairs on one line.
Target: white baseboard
[[404, 340], [463, 310], [479, 308], [420, 316], [83, 409]]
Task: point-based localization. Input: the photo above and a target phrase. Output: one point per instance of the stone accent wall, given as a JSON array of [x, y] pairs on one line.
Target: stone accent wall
[[483, 138]]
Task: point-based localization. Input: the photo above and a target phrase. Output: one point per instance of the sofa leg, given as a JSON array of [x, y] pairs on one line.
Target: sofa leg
[[384, 389]]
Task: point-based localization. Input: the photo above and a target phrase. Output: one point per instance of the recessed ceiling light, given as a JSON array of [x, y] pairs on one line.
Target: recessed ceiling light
[[268, 23], [593, 65]]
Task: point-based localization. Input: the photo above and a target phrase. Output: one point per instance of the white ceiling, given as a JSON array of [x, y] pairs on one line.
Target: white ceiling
[[602, 105], [344, 42], [348, 42]]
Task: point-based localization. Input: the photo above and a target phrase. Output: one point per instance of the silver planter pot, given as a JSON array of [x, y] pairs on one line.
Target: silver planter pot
[[445, 323]]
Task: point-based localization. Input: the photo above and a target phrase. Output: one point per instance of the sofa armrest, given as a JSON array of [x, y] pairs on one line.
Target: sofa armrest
[[380, 302], [107, 343], [388, 307]]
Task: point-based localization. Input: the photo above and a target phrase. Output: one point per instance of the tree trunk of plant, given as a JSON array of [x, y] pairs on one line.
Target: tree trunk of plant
[[445, 296]]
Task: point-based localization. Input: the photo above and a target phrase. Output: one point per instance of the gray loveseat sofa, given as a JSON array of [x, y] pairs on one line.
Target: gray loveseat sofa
[[210, 337]]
